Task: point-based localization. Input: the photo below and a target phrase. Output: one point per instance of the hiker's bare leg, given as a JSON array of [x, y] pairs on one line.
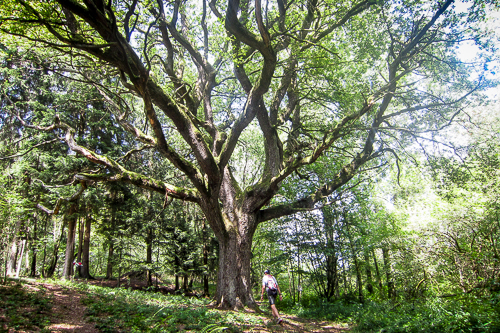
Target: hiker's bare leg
[[275, 311]]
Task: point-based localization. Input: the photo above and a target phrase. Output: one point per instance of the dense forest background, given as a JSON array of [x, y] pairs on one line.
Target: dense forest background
[[409, 239]]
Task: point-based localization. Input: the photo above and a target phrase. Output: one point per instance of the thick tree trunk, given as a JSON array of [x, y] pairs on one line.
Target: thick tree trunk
[[234, 287], [70, 243], [332, 276], [85, 269]]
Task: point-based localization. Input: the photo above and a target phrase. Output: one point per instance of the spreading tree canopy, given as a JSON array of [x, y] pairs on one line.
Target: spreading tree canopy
[[353, 82]]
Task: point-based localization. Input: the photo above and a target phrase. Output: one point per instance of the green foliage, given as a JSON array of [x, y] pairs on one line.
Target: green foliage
[[313, 307], [212, 328], [22, 308], [115, 310], [466, 314]]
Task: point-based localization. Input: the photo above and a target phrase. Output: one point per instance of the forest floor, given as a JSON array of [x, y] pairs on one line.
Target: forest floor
[[65, 313]]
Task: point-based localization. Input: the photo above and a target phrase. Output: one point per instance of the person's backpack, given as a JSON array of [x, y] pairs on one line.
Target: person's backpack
[[272, 287]]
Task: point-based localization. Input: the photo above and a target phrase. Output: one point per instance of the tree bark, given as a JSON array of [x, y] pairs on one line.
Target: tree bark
[[377, 271], [149, 256], [70, 242], [332, 277], [388, 275], [14, 249], [55, 255], [81, 227], [44, 257], [19, 264], [34, 249], [359, 283], [206, 290], [85, 269], [109, 265], [111, 241], [369, 282], [234, 284], [177, 266]]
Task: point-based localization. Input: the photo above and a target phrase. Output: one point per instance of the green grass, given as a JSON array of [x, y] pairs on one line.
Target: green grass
[[22, 309]]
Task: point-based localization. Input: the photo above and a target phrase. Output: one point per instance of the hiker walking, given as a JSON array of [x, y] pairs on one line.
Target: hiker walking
[[270, 284]]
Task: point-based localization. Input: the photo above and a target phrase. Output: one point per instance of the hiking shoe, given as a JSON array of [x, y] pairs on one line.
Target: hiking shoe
[[280, 321]]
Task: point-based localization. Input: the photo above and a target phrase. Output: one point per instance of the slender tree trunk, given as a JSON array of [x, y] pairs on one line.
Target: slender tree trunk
[[55, 253], [388, 275], [291, 278], [177, 265], [359, 283], [34, 250], [44, 248], [149, 256], [299, 282], [369, 279], [119, 269], [111, 241], [377, 271], [14, 248], [81, 230], [344, 275], [185, 282], [5, 268], [206, 290], [70, 242], [109, 265], [19, 266]]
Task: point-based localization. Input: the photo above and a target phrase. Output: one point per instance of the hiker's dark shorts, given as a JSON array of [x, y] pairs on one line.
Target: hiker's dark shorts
[[272, 299]]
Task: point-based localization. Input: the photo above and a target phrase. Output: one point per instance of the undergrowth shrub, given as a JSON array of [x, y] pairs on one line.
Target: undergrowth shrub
[[116, 310], [468, 314]]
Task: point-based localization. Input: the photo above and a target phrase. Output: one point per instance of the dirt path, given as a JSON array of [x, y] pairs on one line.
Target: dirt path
[[67, 313]]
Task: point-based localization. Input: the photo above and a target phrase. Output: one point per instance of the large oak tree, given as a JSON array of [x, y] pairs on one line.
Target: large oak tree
[[352, 80]]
